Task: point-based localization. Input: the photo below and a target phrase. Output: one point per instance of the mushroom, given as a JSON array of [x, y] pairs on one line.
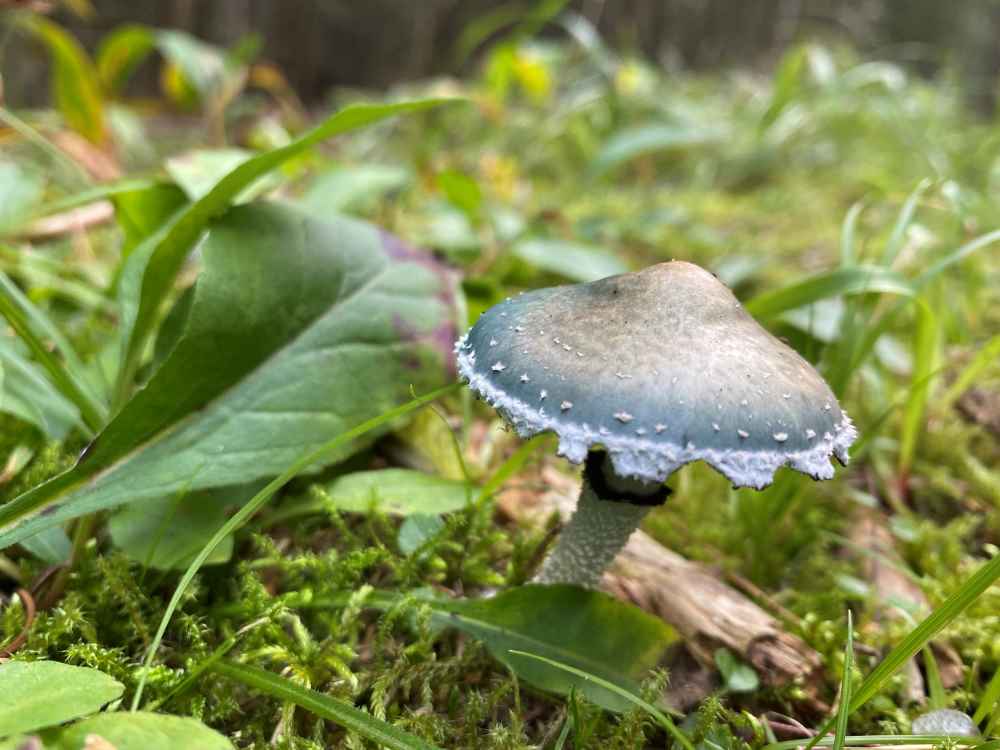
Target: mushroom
[[650, 371]]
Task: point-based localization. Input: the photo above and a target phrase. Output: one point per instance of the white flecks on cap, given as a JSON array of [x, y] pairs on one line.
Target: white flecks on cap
[[651, 459]]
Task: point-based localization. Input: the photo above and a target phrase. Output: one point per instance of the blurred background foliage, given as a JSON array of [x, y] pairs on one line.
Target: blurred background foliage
[[324, 43]]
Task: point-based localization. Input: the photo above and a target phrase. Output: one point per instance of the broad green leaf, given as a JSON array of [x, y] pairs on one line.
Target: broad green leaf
[[50, 545], [353, 189], [849, 280], [198, 171], [737, 675], [39, 694], [28, 395], [149, 272], [298, 329], [650, 139], [75, 86], [400, 492], [140, 730], [337, 711], [20, 192], [585, 629], [416, 530], [573, 260], [166, 533]]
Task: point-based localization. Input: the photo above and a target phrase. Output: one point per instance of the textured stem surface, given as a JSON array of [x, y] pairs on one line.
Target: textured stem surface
[[595, 534]]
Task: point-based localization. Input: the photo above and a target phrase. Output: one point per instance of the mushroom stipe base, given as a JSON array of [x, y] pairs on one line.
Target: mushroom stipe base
[[609, 511]]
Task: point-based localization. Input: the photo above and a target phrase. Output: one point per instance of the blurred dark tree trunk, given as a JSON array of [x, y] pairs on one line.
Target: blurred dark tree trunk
[[320, 44]]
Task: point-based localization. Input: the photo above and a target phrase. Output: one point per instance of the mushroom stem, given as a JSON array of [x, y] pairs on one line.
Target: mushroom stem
[[606, 516]]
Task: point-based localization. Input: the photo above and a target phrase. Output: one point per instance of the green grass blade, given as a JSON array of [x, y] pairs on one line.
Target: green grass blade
[[875, 331], [970, 374], [935, 688], [917, 740], [339, 712], [994, 724], [925, 344], [195, 673], [844, 709], [848, 234], [256, 502], [841, 281], [661, 718], [512, 465], [101, 192], [895, 242], [956, 256], [921, 635], [31, 325], [990, 699]]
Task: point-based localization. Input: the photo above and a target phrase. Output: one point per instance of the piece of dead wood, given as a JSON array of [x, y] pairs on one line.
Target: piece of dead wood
[[706, 611], [74, 220], [897, 593]]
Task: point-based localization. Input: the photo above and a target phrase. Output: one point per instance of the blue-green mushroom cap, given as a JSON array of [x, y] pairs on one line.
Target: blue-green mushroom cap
[[659, 368]]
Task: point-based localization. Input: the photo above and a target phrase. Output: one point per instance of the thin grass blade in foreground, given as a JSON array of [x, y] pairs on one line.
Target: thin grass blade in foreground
[[989, 699], [661, 718], [256, 502], [339, 712], [919, 637], [912, 741], [844, 709], [925, 346]]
